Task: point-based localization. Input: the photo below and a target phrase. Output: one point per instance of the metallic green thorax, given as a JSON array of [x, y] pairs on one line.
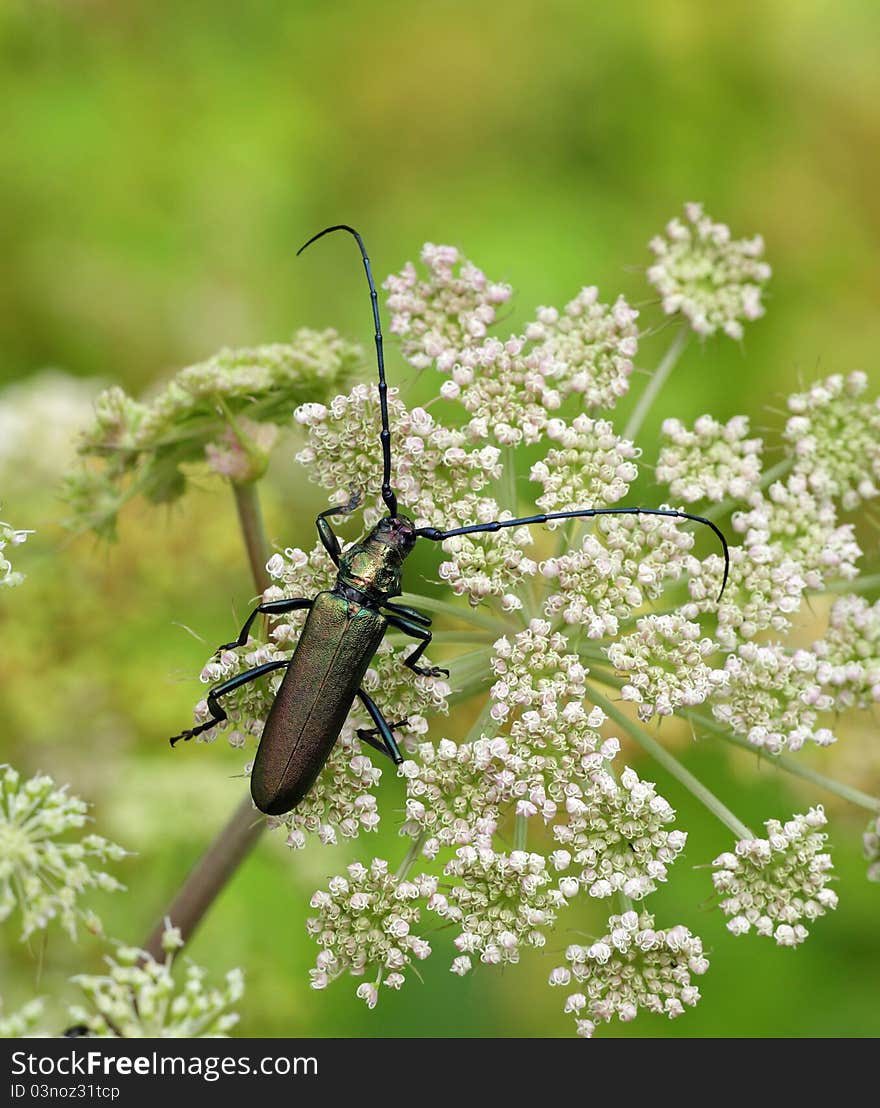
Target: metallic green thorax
[[373, 566], [341, 635]]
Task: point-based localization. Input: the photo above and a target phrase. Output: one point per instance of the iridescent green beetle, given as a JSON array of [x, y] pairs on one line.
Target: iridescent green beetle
[[346, 624]]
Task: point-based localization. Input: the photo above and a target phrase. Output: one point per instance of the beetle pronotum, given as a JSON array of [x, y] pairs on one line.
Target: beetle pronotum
[[346, 624]]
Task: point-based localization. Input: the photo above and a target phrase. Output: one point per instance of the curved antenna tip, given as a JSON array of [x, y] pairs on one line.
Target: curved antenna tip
[[327, 231]]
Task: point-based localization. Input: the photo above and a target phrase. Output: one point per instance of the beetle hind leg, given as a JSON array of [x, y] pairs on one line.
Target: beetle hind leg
[[379, 737], [218, 715]]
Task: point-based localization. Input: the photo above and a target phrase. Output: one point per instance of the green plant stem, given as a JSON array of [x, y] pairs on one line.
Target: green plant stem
[[520, 832], [460, 612], [410, 857], [791, 765], [672, 765], [215, 868], [658, 380], [250, 518]]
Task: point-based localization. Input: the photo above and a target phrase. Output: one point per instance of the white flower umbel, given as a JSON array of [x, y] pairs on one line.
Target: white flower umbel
[[616, 831], [44, 870], [635, 967], [335, 456], [138, 997], [666, 663], [483, 566], [779, 884], [849, 653], [625, 561], [711, 462], [834, 436], [498, 904], [9, 537], [509, 385], [590, 465], [448, 311], [365, 927], [713, 280], [772, 698], [22, 1024]]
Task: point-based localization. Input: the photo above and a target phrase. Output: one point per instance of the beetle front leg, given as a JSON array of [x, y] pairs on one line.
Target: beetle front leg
[[417, 633], [218, 715], [270, 608], [388, 745]]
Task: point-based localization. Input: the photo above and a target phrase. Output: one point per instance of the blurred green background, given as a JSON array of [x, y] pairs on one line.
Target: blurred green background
[[160, 163]]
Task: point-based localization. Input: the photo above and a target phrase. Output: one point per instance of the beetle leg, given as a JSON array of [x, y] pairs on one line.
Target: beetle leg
[[270, 608], [388, 745], [410, 613], [326, 533], [417, 633], [217, 713]]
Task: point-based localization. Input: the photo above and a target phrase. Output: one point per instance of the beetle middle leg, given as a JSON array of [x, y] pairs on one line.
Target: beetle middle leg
[[218, 715], [388, 744], [409, 613], [270, 608], [417, 633]]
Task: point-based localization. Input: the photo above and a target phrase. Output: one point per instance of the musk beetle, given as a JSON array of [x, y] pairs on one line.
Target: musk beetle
[[346, 624]]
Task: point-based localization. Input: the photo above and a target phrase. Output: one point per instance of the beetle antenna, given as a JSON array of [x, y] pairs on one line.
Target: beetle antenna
[[387, 492], [437, 535]]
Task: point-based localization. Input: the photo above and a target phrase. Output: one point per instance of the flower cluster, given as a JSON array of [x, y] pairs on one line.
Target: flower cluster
[[590, 466], [615, 830], [499, 903], [714, 461], [624, 562], [773, 699], [848, 655], [777, 883], [9, 578], [713, 280], [335, 455], [834, 436], [137, 998], [557, 617], [634, 967], [225, 412], [40, 872], [666, 663], [364, 926], [451, 310], [508, 386]]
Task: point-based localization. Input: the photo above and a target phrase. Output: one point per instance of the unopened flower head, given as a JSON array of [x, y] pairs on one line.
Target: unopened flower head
[[779, 884], [365, 925], [138, 997], [834, 436], [712, 279], [225, 412], [634, 967], [44, 870]]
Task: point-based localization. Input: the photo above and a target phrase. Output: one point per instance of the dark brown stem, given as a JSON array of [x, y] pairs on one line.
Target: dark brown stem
[[209, 875], [233, 844]]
